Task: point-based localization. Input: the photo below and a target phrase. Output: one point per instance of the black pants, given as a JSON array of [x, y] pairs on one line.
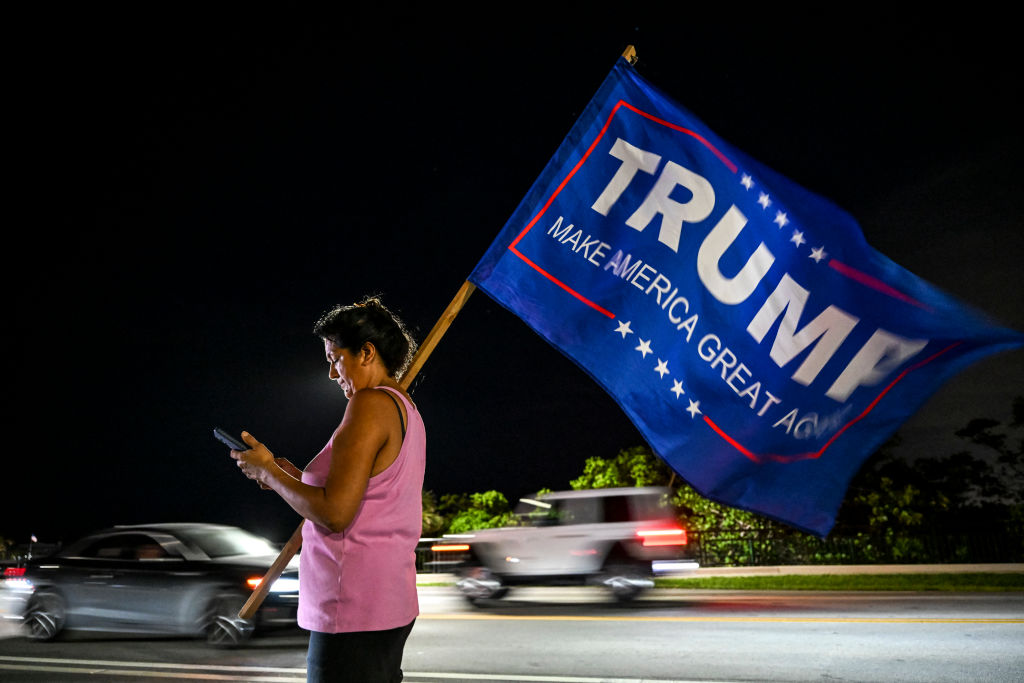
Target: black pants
[[359, 657]]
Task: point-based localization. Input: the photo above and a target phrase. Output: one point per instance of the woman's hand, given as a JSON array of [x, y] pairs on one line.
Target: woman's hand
[[256, 462], [365, 429]]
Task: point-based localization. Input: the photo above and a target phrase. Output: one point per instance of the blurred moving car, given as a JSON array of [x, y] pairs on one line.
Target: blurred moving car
[[177, 579], [617, 538]]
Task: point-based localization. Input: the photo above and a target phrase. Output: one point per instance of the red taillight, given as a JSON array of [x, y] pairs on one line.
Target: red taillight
[[663, 536], [449, 547], [10, 572], [254, 582]]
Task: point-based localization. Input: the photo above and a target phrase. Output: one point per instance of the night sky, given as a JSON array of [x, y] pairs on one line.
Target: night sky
[[190, 195]]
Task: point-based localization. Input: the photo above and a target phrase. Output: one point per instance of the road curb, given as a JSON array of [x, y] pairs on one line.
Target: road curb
[[832, 569], [859, 569]]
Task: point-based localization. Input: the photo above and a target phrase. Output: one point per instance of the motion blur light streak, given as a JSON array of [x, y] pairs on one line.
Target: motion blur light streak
[[450, 548], [656, 537], [282, 585]]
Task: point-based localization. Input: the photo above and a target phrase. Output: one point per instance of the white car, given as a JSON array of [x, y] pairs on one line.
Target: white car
[[618, 538]]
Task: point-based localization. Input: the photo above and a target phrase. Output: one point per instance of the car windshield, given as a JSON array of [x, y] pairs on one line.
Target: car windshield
[[593, 510], [532, 512], [649, 506], [228, 542]]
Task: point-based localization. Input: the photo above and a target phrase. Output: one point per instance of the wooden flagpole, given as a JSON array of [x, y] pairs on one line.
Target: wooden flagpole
[[424, 351]]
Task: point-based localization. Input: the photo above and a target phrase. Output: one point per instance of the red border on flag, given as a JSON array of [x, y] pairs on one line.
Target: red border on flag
[[813, 455], [529, 226]]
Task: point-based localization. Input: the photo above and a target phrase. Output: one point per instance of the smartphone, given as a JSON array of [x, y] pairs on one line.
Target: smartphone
[[233, 443]]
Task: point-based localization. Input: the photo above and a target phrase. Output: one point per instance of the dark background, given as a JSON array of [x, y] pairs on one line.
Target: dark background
[[190, 194]]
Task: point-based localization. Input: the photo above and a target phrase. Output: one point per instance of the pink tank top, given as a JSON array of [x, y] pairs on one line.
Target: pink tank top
[[364, 578]]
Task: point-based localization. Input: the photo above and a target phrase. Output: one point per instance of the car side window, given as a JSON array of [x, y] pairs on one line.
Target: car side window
[[110, 548], [125, 547], [579, 511], [150, 551], [656, 506], [616, 509]]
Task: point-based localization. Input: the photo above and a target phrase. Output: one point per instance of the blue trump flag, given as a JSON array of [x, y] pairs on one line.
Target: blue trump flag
[[742, 323]]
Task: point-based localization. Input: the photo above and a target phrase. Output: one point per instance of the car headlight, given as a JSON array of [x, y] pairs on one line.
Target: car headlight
[[283, 585], [18, 583]]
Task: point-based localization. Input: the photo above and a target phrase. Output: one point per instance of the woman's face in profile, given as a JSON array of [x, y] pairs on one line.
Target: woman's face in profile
[[343, 363]]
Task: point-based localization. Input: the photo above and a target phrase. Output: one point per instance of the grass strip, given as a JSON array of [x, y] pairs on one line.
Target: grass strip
[[967, 582]]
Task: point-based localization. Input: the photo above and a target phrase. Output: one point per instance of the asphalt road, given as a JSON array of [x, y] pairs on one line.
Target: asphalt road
[[575, 635]]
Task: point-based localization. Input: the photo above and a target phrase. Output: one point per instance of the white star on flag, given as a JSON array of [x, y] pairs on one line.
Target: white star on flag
[[746, 181], [818, 254], [694, 409], [624, 329], [677, 388], [764, 201], [797, 238], [645, 347], [781, 219], [662, 368]]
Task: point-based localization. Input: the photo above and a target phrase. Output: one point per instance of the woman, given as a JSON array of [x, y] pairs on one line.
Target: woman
[[362, 498]]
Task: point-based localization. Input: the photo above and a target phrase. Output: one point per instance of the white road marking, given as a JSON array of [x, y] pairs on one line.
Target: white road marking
[[263, 674]]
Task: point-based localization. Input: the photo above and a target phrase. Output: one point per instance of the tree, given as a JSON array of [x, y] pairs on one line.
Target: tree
[[434, 522], [886, 492], [635, 466], [1004, 447], [971, 501], [487, 510]]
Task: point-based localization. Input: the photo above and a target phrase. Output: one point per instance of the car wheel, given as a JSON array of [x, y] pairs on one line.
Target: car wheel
[[626, 581], [480, 583], [45, 616], [222, 626]]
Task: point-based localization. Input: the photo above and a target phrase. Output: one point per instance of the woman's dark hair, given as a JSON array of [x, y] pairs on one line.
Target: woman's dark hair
[[349, 327]]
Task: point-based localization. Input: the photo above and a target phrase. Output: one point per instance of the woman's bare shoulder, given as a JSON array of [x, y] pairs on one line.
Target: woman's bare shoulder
[[370, 400]]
